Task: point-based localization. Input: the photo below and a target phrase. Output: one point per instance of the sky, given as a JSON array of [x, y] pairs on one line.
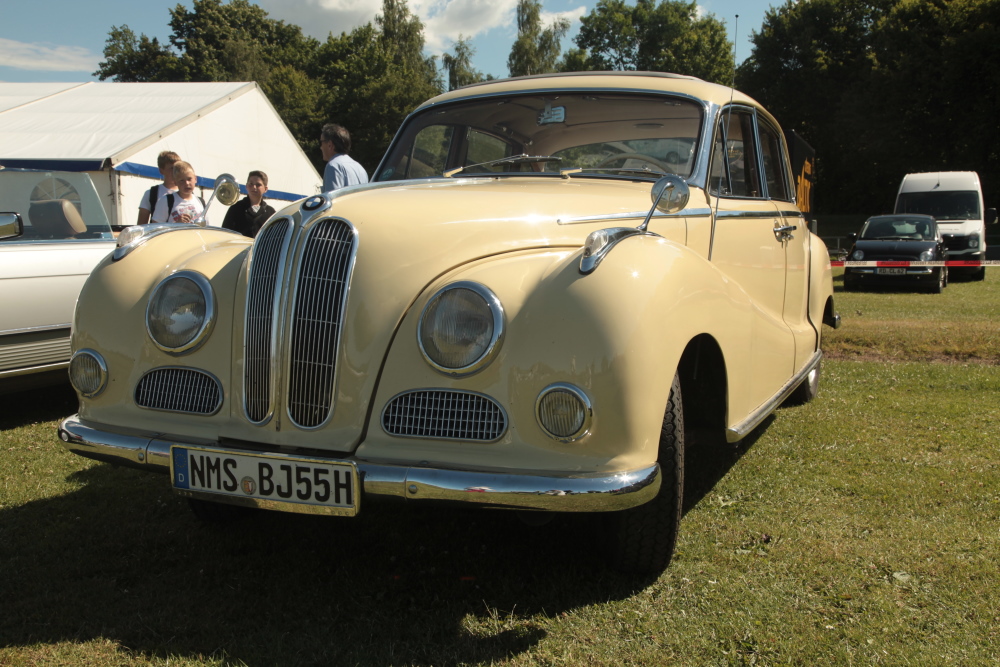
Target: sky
[[67, 43]]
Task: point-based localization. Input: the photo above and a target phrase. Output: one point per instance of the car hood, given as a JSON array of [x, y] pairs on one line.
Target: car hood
[[413, 236], [894, 249]]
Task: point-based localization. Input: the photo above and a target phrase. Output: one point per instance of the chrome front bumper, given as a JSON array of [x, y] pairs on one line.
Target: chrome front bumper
[[602, 492]]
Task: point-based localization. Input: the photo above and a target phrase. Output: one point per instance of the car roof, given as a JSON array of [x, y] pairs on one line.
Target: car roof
[[656, 82]]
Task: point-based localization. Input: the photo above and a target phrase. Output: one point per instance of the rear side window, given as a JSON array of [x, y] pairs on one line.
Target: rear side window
[[775, 169]]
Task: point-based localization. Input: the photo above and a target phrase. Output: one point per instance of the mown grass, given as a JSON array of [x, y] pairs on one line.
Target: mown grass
[[958, 325], [859, 529]]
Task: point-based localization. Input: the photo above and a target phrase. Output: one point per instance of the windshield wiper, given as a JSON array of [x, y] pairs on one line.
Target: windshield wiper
[[513, 159]]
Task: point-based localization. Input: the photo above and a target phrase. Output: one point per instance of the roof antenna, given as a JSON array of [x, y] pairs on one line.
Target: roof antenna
[[724, 167]]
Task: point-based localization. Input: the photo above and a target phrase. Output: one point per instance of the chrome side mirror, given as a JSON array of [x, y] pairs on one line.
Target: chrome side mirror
[[227, 190], [11, 226], [670, 194]]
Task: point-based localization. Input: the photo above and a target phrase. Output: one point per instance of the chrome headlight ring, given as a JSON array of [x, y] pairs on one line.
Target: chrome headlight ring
[[88, 372], [461, 328], [564, 412], [181, 312]]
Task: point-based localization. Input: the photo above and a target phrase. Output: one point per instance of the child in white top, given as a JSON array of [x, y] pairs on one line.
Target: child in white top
[[184, 205]]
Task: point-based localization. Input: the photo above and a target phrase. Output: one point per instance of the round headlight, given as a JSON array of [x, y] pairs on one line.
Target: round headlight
[[564, 412], [461, 328], [180, 312], [973, 241], [927, 256], [88, 373], [858, 255]]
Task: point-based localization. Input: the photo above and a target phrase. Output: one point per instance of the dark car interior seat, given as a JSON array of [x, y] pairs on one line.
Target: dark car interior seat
[[56, 219]]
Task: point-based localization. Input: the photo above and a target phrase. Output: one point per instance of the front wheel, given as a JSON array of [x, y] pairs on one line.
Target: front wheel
[[643, 538]]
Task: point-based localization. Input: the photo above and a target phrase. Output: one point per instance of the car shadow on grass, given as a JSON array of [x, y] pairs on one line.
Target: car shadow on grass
[[119, 557]]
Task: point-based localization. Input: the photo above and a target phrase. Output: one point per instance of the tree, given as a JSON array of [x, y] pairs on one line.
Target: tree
[[881, 88], [373, 77], [129, 58], [459, 66], [536, 49], [664, 37]]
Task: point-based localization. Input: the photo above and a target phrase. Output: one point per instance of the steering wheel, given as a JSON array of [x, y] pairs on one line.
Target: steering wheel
[[635, 156]]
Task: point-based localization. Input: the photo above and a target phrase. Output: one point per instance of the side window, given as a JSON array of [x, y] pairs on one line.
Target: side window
[[734, 157], [775, 169], [485, 147], [427, 156]]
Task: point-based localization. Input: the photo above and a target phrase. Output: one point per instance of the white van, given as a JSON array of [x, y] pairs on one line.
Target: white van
[[955, 199]]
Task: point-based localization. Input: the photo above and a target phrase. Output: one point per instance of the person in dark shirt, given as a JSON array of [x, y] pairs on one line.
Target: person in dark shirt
[[249, 214]]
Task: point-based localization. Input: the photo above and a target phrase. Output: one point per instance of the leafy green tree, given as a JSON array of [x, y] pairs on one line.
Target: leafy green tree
[[131, 59], [665, 37], [459, 65], [536, 49], [881, 88], [373, 77]]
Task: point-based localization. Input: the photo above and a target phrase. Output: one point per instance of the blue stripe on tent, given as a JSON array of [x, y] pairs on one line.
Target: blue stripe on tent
[[209, 183], [54, 164]]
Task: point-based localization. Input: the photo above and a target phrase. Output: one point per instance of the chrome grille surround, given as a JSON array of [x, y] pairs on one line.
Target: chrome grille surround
[[444, 414], [267, 265], [318, 307], [177, 389]]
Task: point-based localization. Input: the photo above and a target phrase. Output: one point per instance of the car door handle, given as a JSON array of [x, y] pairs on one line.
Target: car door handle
[[784, 232]]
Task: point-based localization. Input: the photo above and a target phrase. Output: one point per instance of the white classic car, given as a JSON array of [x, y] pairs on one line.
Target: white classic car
[[553, 284], [65, 234]]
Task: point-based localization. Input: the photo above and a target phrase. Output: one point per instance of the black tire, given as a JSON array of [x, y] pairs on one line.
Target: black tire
[[217, 513], [980, 274], [941, 281], [643, 538], [806, 391]]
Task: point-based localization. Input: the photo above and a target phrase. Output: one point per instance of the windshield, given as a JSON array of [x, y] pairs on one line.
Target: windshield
[[602, 133], [899, 228], [54, 205], [950, 205]]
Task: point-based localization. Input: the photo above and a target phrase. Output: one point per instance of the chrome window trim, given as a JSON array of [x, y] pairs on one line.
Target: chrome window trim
[[496, 341], [101, 364], [442, 390], [637, 215], [581, 395], [210, 376], [205, 285]]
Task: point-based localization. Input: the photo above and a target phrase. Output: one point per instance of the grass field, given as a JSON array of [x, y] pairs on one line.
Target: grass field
[[861, 529]]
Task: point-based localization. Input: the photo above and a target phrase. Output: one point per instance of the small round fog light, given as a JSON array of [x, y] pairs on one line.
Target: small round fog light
[[564, 412], [88, 373]]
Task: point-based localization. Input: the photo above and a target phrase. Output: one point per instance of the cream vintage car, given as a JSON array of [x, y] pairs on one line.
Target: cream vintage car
[[551, 286], [63, 234]]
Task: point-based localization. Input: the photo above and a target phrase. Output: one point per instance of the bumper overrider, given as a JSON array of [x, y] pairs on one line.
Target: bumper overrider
[[600, 492]]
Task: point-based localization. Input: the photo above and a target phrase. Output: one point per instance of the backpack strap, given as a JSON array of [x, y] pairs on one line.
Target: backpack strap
[[153, 196], [170, 204]]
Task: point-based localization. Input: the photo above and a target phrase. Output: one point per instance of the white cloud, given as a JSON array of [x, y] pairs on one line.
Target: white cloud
[[41, 56], [444, 20]]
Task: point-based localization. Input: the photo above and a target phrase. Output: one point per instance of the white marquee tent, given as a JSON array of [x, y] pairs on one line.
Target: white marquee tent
[[114, 131]]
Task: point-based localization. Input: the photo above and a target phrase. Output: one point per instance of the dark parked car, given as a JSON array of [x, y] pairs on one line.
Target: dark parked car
[[898, 238]]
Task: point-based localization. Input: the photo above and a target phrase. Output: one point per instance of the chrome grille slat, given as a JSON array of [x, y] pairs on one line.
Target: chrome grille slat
[[439, 413], [320, 298], [179, 390], [262, 284]]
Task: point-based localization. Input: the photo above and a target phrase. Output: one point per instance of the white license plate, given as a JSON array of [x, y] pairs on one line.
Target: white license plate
[[272, 482], [891, 271]]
